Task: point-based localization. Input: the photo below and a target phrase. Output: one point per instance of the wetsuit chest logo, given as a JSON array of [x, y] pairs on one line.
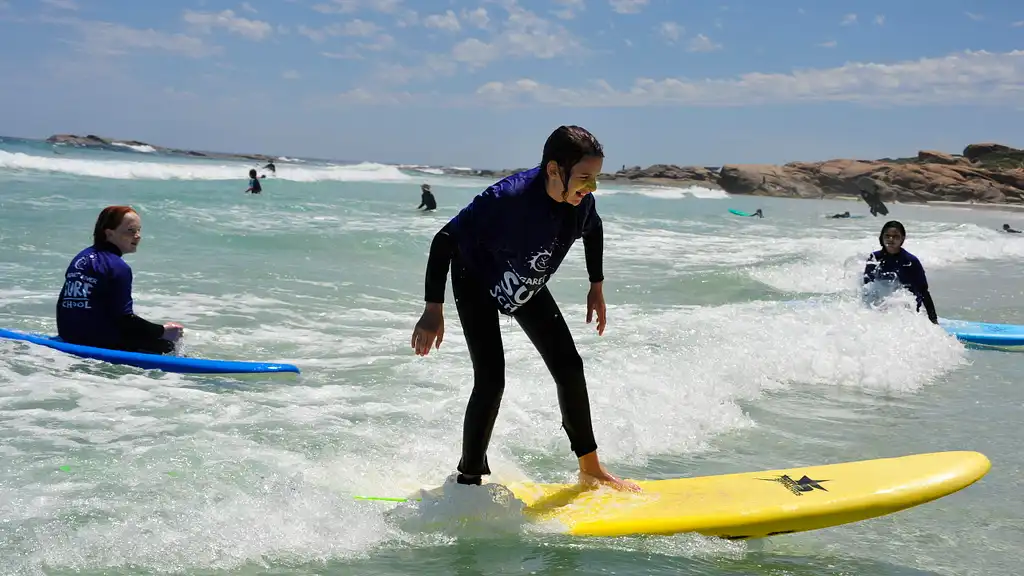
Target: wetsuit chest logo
[[538, 261], [515, 288]]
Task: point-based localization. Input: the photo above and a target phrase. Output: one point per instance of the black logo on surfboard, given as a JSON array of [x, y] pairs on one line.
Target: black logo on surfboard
[[798, 487]]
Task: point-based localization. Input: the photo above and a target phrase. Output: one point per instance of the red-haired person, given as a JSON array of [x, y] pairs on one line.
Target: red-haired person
[[95, 306]]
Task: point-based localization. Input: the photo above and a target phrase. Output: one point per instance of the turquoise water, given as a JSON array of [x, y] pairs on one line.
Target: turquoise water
[[702, 370]]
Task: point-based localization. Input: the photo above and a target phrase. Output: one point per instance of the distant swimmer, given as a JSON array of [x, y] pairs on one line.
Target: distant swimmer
[[254, 183], [270, 166], [95, 306], [869, 192], [427, 199], [1006, 228], [843, 215], [894, 264], [758, 213]]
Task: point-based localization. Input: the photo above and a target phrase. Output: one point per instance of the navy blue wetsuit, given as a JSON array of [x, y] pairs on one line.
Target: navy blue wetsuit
[[95, 306], [905, 269], [255, 186], [503, 247]]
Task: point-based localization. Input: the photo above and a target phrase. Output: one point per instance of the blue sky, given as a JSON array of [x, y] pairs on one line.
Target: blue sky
[[483, 82]]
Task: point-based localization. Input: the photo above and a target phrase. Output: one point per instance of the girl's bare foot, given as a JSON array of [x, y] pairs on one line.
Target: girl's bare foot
[[592, 471]]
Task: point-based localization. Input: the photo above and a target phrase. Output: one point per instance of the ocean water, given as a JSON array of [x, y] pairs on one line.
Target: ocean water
[[702, 370]]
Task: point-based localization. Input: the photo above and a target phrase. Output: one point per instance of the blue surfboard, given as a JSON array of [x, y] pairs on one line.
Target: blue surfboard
[[152, 361], [985, 335]]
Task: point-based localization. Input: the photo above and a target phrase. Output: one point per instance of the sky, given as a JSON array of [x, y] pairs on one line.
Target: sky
[[482, 83]]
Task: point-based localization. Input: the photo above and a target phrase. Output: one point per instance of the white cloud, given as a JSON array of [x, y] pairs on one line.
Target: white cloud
[[975, 17], [349, 6], [366, 97], [523, 35], [290, 75], [251, 29], [110, 39], [381, 43], [348, 54], [702, 43], [848, 20], [829, 44], [570, 10], [670, 31], [969, 77], [627, 6], [1018, 24], [357, 27], [477, 17], [447, 21], [337, 7], [433, 66], [880, 19], [248, 7], [61, 4]]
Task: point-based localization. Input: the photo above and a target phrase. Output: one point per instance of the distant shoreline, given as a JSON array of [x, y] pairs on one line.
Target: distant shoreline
[[987, 174]]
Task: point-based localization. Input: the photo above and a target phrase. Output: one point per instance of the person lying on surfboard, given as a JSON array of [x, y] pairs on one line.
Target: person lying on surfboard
[[503, 247], [1006, 228], [95, 306], [894, 264]]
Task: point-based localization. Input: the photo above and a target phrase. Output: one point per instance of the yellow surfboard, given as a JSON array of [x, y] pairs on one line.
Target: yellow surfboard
[[757, 504]]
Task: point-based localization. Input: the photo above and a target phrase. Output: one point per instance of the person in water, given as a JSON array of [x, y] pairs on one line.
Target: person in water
[[95, 306], [758, 213], [869, 192], [503, 247], [843, 215], [254, 183], [427, 201], [895, 264], [270, 166], [1006, 228]]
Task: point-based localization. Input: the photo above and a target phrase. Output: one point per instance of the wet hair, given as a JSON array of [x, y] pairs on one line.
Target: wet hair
[[252, 173], [567, 145], [892, 224], [109, 219]]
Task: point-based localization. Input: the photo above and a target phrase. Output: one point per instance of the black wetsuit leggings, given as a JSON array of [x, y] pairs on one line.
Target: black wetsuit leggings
[[546, 328]]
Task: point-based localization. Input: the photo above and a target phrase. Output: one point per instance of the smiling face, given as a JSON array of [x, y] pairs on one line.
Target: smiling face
[[127, 235], [582, 180]]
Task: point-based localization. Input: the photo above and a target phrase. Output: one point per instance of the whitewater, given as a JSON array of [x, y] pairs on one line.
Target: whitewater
[[705, 368]]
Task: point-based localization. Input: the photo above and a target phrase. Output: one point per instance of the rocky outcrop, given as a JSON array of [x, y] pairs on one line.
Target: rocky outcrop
[[983, 173], [93, 141]]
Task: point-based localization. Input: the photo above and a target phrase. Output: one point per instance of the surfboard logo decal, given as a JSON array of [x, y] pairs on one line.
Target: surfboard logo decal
[[798, 487]]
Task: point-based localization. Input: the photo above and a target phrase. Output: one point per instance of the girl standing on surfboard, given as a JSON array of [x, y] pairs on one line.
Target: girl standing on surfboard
[[503, 247], [95, 306]]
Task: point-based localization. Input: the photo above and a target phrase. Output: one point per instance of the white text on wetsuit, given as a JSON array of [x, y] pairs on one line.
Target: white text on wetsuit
[[514, 289], [78, 290]]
